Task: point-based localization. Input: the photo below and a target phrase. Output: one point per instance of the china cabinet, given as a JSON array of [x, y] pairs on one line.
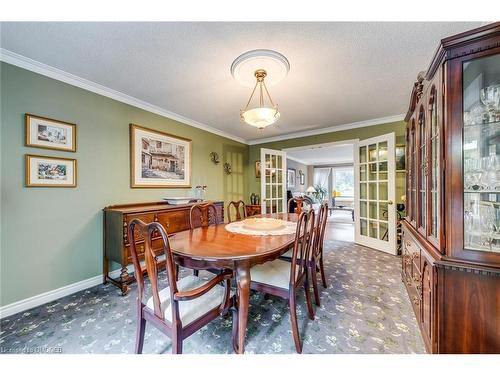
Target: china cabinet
[[451, 234]]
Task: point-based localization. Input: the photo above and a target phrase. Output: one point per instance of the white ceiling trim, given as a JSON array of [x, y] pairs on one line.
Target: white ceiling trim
[[353, 142], [296, 159], [331, 129], [60, 75], [346, 161]]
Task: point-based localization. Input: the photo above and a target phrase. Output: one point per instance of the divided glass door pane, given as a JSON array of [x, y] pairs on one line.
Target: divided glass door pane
[[481, 153], [373, 191], [272, 184]]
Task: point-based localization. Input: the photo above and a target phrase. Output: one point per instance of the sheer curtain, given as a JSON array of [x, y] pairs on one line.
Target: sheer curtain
[[321, 176]]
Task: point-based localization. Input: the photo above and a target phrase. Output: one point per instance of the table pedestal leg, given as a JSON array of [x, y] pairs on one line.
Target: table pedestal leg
[[243, 283]]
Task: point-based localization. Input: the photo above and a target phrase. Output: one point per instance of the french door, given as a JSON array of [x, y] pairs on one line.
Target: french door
[[273, 181], [375, 190]]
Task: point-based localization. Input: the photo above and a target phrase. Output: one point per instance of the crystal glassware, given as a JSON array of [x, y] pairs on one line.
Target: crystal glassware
[[490, 97]]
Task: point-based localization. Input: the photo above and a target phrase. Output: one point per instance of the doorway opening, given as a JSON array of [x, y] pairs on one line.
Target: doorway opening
[[325, 172]]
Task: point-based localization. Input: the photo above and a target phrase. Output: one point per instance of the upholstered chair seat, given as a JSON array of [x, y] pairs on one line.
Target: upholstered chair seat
[[275, 273], [191, 310]]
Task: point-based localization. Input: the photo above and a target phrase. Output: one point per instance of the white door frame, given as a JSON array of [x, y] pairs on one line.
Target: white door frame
[[386, 246], [268, 151]]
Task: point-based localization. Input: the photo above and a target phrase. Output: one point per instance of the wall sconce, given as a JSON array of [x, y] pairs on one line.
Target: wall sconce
[[214, 157], [227, 168]]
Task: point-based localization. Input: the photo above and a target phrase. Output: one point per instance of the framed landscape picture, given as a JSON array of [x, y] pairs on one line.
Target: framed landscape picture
[[45, 171], [48, 133], [158, 160]]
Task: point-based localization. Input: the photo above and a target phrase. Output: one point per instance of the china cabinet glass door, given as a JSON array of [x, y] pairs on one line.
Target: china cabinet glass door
[[434, 166], [422, 172], [413, 174], [481, 153]]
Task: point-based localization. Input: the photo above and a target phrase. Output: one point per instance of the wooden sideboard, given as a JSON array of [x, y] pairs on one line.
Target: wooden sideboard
[[174, 218], [253, 209]]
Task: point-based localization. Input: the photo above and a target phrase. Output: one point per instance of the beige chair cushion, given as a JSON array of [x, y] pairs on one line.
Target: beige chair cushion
[[275, 273], [191, 310]]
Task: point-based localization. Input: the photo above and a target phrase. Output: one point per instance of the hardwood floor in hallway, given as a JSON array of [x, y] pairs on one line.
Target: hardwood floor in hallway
[[340, 227]]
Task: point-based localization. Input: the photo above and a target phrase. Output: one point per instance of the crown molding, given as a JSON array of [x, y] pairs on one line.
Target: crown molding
[[60, 75], [71, 79], [331, 129], [296, 159]]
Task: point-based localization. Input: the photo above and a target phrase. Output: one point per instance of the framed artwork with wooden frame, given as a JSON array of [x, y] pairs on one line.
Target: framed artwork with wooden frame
[[50, 171], [158, 159], [44, 132]]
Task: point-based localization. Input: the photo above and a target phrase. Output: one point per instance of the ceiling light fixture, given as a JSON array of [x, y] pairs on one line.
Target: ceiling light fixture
[[261, 64], [262, 115]]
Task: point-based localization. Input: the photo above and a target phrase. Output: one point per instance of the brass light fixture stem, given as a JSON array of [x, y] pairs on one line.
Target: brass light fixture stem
[[260, 74]]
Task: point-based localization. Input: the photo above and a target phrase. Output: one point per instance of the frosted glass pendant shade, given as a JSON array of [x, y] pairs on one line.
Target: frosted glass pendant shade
[[260, 117]]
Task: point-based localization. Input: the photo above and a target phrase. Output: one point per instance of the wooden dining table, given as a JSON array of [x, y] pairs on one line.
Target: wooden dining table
[[214, 247]]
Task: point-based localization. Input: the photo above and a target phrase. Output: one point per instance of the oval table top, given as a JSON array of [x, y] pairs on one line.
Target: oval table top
[[216, 243]]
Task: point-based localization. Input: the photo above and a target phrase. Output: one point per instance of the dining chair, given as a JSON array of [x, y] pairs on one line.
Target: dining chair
[[185, 305], [297, 204], [239, 208], [282, 279], [202, 215], [315, 261]]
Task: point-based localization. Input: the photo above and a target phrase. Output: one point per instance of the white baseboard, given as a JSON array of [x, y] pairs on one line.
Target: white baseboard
[[52, 295], [64, 291]]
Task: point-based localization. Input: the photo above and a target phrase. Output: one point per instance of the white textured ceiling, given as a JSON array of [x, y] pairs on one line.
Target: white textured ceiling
[[330, 154], [340, 73]]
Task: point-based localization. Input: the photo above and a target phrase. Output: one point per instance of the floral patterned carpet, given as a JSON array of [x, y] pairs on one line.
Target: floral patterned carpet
[[365, 309]]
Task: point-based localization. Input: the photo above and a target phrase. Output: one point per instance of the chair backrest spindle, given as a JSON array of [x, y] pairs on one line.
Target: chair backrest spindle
[[302, 245]]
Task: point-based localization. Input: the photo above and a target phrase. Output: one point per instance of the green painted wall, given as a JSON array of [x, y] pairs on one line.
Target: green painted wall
[[53, 237], [359, 133]]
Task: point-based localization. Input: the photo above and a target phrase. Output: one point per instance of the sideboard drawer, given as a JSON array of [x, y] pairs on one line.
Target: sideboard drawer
[[174, 221], [146, 218]]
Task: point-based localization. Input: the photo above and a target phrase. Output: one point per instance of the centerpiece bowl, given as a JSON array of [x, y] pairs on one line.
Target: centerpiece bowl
[[264, 223]]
